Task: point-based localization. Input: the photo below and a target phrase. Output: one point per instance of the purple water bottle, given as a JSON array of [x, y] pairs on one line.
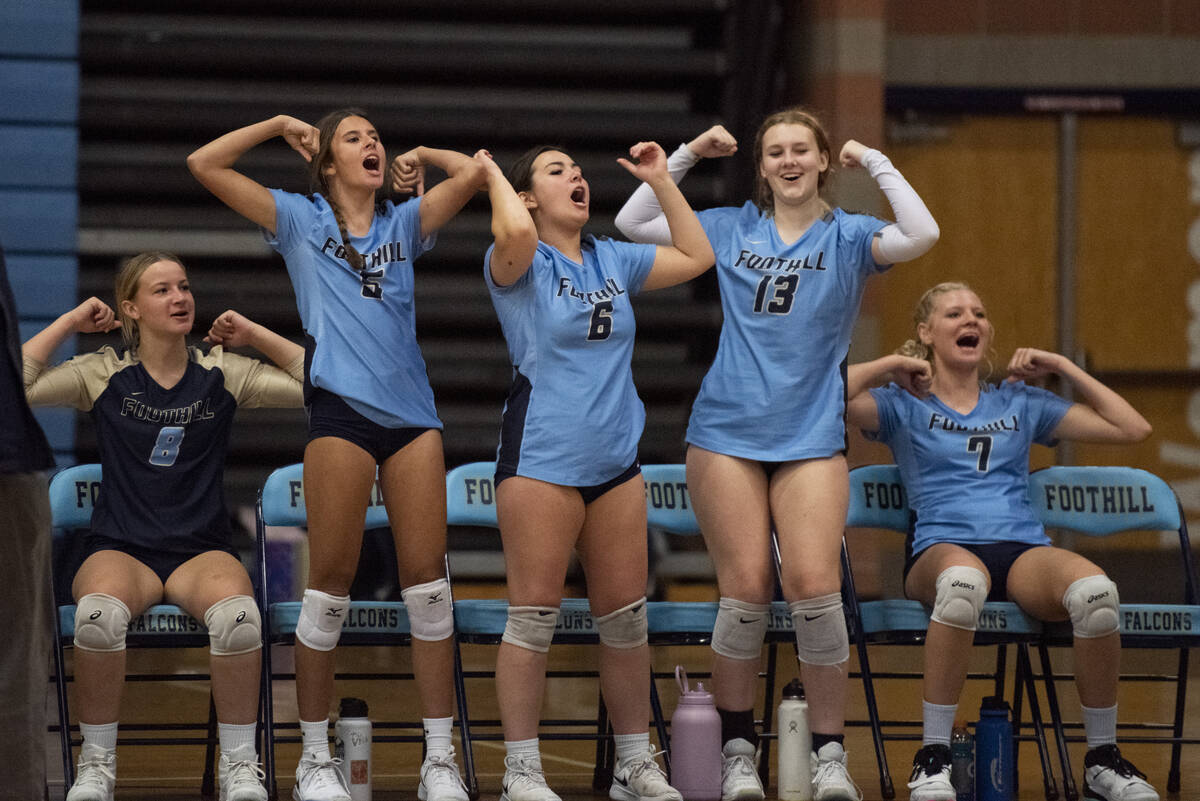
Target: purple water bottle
[[695, 743]]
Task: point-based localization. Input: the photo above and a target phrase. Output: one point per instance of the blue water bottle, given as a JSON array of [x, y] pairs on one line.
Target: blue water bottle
[[993, 752]]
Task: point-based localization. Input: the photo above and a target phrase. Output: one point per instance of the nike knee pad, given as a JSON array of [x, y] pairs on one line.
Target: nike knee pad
[[531, 627], [821, 636], [740, 629], [624, 627]]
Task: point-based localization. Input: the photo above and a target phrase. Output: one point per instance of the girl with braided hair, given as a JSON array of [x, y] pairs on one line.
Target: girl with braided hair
[[368, 397]]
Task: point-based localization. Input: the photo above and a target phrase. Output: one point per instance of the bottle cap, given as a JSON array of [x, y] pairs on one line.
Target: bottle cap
[[352, 708], [794, 689], [994, 703]]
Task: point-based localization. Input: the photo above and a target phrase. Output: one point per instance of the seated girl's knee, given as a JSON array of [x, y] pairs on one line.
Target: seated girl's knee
[[234, 626], [961, 593], [1094, 606]]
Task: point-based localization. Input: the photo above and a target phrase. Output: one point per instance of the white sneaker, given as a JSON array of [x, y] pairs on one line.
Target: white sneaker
[[739, 774], [930, 780], [831, 780], [95, 775], [525, 781], [320, 781], [641, 779], [240, 777], [440, 779], [1108, 776]]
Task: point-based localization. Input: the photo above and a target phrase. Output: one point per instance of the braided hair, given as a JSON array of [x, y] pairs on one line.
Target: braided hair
[[319, 182]]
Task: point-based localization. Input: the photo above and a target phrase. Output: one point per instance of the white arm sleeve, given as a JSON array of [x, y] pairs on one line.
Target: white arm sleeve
[[641, 219], [915, 231]]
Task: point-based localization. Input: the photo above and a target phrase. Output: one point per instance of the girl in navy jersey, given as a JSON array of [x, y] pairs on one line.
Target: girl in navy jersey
[[766, 439], [370, 406], [567, 473], [160, 530], [963, 451]]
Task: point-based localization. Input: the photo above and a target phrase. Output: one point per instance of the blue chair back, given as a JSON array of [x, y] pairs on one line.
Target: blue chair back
[[283, 500], [471, 495], [668, 504]]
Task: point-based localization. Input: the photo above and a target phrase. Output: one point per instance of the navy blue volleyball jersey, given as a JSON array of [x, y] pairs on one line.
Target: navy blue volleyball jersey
[[163, 450]]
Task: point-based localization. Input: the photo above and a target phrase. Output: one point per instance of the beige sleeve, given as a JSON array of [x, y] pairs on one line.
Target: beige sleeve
[[76, 383], [255, 384]]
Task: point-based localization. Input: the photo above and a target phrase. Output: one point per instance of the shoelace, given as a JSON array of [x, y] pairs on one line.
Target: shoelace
[[740, 764], [1110, 757], [245, 770], [832, 766], [441, 763], [99, 770], [322, 774], [526, 770], [646, 764]]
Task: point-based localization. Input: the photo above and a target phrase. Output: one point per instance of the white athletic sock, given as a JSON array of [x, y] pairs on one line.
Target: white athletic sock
[[233, 736], [100, 735], [939, 723], [1100, 725], [528, 750], [631, 745], [437, 736], [315, 740]]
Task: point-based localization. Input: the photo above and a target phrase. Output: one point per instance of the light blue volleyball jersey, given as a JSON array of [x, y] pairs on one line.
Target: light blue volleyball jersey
[[573, 416], [361, 327], [967, 475], [776, 390]]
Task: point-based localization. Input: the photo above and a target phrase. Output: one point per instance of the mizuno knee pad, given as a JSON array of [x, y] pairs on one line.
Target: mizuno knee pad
[[321, 619], [430, 611]]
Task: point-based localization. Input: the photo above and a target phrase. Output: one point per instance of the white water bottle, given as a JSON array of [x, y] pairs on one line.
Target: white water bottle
[[795, 745], [352, 745]]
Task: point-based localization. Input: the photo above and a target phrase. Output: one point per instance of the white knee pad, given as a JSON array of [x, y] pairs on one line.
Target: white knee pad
[[234, 626], [101, 622], [1094, 606], [740, 629], [531, 627], [321, 619], [961, 591], [430, 611], [821, 636], [624, 627]]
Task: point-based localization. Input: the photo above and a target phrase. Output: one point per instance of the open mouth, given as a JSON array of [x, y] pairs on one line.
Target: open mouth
[[371, 163], [579, 195], [967, 341], [791, 177]]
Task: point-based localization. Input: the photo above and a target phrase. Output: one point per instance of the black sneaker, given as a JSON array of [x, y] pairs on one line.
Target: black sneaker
[[1108, 776], [930, 780]]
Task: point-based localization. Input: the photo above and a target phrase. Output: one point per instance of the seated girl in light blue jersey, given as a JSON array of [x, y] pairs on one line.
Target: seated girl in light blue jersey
[[963, 451], [163, 413], [766, 439], [567, 472], [350, 258]]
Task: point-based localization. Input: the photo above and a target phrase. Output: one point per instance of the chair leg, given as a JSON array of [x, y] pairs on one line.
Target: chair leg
[[1181, 678], [464, 726], [764, 762], [267, 714], [602, 774], [660, 725], [864, 668], [208, 783], [64, 715], [1070, 792], [1023, 685]]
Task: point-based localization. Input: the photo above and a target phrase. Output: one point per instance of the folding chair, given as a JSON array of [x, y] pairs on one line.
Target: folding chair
[[367, 623], [878, 500], [73, 492], [669, 509], [471, 501], [1100, 501]]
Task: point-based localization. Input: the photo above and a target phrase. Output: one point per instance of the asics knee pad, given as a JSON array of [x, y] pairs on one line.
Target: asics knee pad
[[961, 591], [430, 611], [624, 627], [321, 619], [740, 629], [531, 627], [234, 626], [101, 622], [1094, 606], [821, 636]]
